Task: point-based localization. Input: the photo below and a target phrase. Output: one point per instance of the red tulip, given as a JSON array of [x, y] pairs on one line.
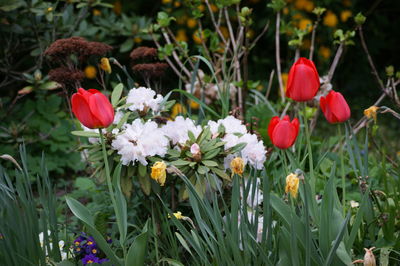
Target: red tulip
[[283, 133], [335, 107], [303, 82], [92, 108]]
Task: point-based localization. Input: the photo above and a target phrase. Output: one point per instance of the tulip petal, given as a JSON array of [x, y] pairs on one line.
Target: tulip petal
[[274, 121], [339, 107], [283, 135], [102, 109], [324, 104], [296, 125], [303, 81], [81, 110]]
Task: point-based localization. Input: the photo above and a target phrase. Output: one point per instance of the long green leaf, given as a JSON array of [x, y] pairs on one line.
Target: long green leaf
[[137, 252]]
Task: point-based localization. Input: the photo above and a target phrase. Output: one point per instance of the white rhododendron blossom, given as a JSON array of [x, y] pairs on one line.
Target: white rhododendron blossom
[[235, 133], [232, 125], [254, 152], [177, 131], [143, 98], [140, 140]]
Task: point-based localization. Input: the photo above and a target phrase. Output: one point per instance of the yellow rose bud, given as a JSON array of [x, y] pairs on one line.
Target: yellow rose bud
[[237, 166], [371, 112], [90, 72], [292, 185], [158, 172], [105, 65]]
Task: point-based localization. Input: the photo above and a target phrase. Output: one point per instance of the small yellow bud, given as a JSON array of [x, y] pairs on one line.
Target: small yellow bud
[[292, 185], [105, 65], [90, 72], [371, 112], [158, 172], [237, 166], [178, 215]]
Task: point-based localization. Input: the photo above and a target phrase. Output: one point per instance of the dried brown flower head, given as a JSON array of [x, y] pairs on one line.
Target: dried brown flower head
[[62, 48], [150, 70], [144, 53], [66, 76]]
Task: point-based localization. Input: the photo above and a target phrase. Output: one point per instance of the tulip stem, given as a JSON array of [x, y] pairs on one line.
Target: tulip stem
[[310, 157], [342, 173], [109, 184]]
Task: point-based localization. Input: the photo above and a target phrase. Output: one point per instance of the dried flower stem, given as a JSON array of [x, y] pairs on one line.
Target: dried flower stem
[[314, 30], [277, 56], [335, 62]]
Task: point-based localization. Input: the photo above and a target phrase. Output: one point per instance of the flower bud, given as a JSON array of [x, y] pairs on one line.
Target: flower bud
[[237, 166], [158, 172], [360, 19]]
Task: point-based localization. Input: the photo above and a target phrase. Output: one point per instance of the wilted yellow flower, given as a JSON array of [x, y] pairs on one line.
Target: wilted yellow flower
[[330, 19], [90, 72], [158, 172], [305, 24], [177, 109], [345, 15], [181, 36], [96, 12], [237, 166], [371, 112], [117, 8], [325, 52], [105, 65], [178, 215], [191, 23], [292, 185], [194, 105], [137, 40]]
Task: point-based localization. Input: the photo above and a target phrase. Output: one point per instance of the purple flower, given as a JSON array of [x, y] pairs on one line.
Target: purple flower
[[90, 242], [79, 240], [89, 259]]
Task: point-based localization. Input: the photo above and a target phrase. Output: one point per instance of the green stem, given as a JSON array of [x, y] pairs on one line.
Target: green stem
[[342, 172], [109, 184], [310, 157]]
